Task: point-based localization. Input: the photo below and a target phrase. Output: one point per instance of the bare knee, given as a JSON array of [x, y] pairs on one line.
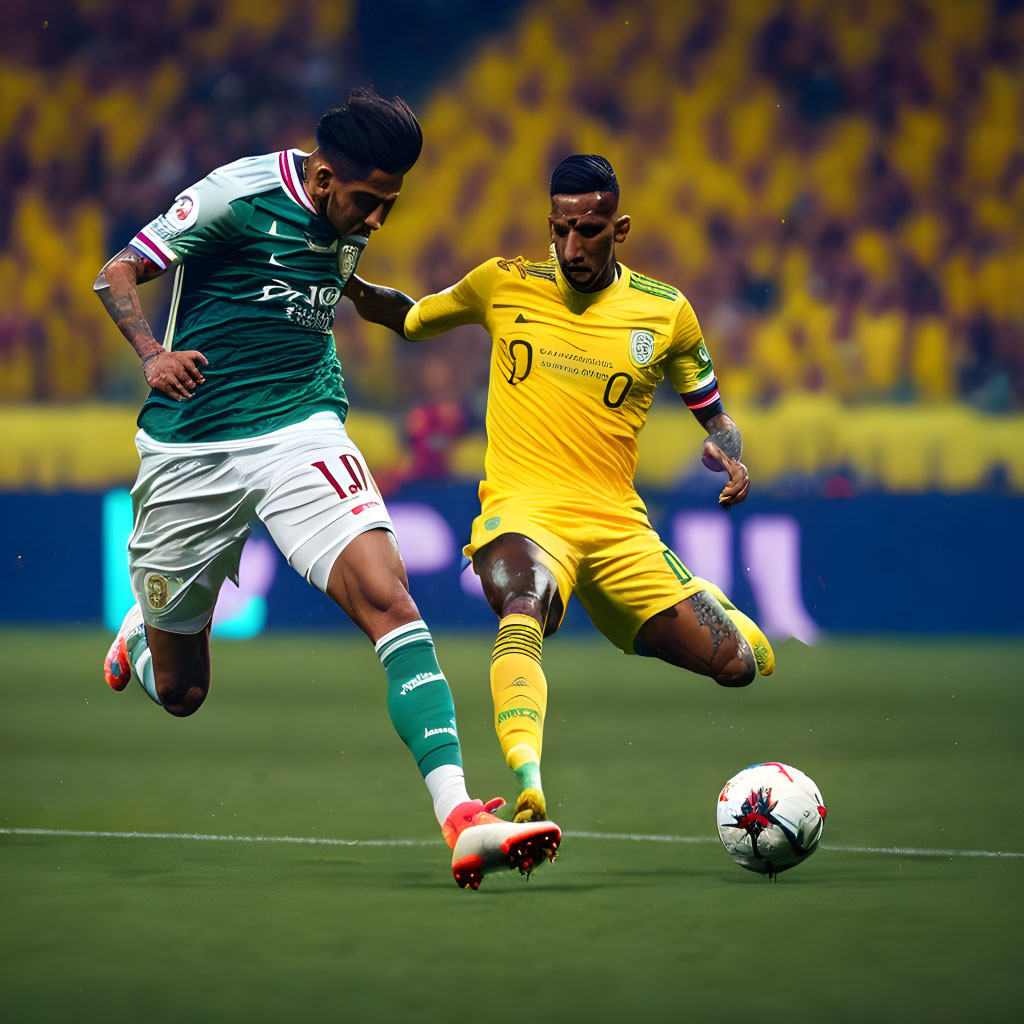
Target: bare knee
[[179, 695], [739, 669], [525, 604]]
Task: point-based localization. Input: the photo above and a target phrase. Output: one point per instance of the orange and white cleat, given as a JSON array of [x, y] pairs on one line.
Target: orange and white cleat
[[482, 843], [117, 669]]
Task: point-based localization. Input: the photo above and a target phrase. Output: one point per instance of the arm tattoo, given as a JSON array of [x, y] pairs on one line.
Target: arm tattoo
[[117, 288], [729, 440]]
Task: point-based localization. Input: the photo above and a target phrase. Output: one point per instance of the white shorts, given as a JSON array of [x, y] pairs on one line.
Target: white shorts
[[193, 503]]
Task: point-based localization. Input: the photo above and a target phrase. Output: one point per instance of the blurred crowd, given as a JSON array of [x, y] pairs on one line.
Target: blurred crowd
[[837, 185], [110, 108]]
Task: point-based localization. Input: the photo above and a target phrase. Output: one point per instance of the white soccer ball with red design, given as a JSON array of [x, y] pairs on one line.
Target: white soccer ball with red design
[[770, 817]]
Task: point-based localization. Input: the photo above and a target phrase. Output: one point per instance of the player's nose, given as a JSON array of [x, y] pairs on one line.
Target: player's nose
[[375, 219]]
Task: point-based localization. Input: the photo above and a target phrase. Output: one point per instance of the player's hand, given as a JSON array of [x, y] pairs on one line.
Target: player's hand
[[176, 374], [739, 483]]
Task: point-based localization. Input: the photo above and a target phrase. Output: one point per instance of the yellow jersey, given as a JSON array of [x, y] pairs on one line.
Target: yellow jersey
[[572, 375]]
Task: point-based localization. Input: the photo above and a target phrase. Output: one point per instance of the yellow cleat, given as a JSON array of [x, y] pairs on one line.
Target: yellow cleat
[[764, 656], [530, 806]]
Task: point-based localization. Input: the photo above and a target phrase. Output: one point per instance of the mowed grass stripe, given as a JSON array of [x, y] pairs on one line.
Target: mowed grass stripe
[[903, 851]]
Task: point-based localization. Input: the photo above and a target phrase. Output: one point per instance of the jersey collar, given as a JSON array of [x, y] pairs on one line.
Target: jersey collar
[[580, 302], [288, 162]]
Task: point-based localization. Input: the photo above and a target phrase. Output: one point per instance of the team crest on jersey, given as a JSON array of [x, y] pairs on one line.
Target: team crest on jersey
[[703, 358], [348, 257], [185, 211], [641, 347], [156, 590]]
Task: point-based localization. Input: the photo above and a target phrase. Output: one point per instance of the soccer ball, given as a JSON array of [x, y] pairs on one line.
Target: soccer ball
[[770, 817]]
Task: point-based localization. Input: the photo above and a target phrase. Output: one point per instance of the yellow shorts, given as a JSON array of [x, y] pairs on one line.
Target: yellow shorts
[[612, 560]]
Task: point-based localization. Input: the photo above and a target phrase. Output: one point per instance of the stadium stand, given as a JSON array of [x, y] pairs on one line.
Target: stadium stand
[[837, 186]]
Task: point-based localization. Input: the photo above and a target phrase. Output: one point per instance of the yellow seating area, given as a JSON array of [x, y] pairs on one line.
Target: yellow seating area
[[949, 448]]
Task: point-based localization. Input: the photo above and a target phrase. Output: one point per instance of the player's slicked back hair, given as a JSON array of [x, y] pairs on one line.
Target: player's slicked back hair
[[584, 172], [368, 132]]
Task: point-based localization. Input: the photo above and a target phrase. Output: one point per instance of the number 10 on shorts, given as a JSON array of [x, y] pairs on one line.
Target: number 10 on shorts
[[356, 472]]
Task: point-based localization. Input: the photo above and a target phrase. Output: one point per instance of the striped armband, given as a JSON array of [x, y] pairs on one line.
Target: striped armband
[[705, 402], [147, 244]]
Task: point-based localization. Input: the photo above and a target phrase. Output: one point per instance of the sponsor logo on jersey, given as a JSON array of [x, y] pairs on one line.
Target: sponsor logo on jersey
[[312, 308], [185, 211], [322, 295], [641, 347], [316, 247], [275, 262], [156, 589]]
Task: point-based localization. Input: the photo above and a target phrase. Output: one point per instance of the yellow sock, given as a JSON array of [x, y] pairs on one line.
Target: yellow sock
[[746, 626], [520, 693]]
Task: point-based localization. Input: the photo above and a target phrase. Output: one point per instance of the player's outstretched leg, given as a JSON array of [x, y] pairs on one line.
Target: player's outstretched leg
[[423, 714], [764, 656], [520, 693], [697, 634], [368, 581]]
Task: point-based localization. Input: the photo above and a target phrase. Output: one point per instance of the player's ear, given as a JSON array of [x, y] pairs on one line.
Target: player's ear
[[322, 177], [622, 227]]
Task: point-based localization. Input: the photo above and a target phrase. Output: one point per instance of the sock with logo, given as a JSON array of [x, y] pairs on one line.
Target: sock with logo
[[520, 694], [423, 713]]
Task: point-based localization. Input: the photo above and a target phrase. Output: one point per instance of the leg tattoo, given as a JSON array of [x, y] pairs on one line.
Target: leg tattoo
[[709, 614]]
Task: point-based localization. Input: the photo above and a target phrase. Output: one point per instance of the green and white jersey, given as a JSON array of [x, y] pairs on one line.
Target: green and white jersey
[[257, 276]]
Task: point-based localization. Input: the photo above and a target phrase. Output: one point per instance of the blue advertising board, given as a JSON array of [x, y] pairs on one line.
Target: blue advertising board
[[877, 563]]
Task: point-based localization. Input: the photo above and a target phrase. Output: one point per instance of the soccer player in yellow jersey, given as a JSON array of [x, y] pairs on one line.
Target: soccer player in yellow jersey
[[580, 343]]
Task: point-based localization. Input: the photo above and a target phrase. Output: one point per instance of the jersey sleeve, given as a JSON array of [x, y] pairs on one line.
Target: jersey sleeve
[[461, 304], [690, 367], [199, 222]]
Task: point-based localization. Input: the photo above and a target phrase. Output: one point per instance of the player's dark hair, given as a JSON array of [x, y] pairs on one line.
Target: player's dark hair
[[584, 172], [368, 132]]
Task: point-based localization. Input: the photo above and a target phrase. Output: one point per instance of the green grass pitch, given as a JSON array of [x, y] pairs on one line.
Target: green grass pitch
[[913, 743]]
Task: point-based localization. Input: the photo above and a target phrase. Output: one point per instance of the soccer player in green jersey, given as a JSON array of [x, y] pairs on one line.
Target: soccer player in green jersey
[[246, 419]]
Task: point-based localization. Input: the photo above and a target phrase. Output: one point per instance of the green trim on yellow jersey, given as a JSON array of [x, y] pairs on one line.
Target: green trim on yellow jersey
[[649, 285]]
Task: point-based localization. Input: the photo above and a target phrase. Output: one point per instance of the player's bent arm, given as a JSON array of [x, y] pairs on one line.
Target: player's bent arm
[[464, 303], [117, 286], [722, 451], [379, 305]]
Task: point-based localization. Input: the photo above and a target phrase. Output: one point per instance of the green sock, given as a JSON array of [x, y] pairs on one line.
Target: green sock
[[529, 775], [419, 700]]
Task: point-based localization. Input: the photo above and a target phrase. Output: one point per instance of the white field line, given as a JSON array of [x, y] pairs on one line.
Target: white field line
[[637, 837]]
